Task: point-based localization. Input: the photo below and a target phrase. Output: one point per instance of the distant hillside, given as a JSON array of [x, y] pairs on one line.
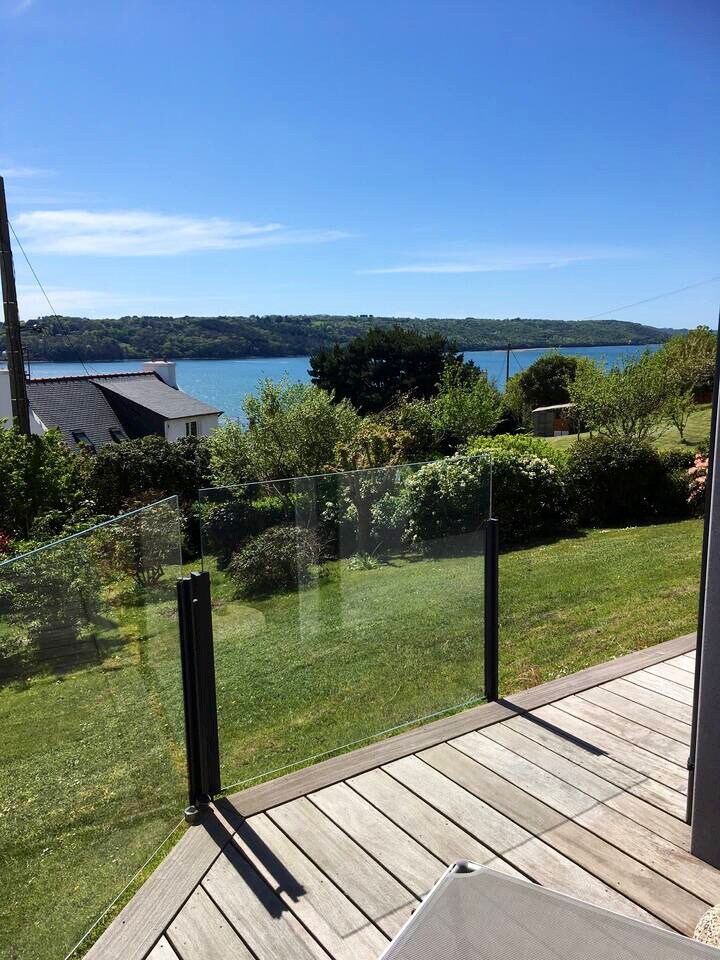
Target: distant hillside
[[73, 338]]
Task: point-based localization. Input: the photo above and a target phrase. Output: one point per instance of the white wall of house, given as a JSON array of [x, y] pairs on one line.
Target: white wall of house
[[6, 416], [5, 399], [177, 429]]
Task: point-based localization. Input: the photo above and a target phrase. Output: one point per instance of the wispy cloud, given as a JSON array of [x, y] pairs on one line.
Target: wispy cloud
[[22, 173], [502, 261], [32, 303], [22, 6], [81, 302], [135, 233]]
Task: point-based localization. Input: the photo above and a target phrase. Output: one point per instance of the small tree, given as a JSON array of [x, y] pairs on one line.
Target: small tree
[[126, 472], [140, 546], [515, 401], [292, 430], [48, 598], [689, 360], [688, 363], [40, 475], [465, 406], [626, 401], [373, 370], [545, 382], [373, 445], [414, 421], [679, 405]]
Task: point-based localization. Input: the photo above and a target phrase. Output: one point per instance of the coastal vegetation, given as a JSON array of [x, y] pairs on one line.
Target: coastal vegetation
[[111, 744], [79, 338], [409, 415], [347, 600]]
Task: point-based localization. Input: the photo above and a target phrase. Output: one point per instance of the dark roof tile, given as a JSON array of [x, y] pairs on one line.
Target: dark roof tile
[[151, 392], [73, 404], [84, 404]]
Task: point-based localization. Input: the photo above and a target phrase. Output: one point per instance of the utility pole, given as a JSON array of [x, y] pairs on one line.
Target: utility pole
[[15, 360], [507, 364]]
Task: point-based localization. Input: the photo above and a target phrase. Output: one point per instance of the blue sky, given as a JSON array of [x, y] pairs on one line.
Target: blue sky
[[548, 159]]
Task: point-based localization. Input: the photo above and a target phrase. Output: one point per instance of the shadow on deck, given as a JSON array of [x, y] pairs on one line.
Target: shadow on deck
[[578, 784]]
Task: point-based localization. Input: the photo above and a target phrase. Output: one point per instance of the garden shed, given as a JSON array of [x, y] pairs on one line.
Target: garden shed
[[553, 421]]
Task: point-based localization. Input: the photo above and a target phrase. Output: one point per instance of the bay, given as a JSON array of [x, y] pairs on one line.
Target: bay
[[225, 383]]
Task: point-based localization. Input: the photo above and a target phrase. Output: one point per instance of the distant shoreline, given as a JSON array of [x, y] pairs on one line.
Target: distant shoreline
[[295, 356], [63, 339]]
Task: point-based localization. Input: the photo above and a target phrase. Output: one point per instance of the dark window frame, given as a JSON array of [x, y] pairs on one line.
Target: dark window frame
[[82, 439]]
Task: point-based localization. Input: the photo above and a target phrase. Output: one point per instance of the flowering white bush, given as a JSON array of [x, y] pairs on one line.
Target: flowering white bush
[[451, 497]]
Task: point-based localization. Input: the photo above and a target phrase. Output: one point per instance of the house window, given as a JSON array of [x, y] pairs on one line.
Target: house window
[[191, 429], [80, 437], [117, 434]]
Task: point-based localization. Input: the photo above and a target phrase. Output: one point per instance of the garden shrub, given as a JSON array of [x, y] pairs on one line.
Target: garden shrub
[[49, 599], [516, 443], [227, 525], [390, 516], [413, 421], [279, 558], [529, 495], [446, 500], [625, 481], [450, 498]]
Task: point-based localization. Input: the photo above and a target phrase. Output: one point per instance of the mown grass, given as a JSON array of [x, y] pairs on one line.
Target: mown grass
[[92, 776], [696, 433], [92, 766], [579, 601]]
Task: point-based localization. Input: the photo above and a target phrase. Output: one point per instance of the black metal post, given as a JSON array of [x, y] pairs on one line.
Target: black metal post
[[15, 362], [198, 674], [492, 659], [703, 587]]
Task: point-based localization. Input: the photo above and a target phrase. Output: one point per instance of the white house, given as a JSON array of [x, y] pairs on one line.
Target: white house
[[107, 408]]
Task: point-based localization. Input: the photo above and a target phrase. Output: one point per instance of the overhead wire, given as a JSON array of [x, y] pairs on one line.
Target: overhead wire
[[659, 296], [53, 311]]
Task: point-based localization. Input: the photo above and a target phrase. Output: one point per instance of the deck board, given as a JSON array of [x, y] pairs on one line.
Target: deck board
[[401, 855], [639, 713], [651, 681], [578, 784], [381, 897], [436, 832], [201, 932], [650, 698], [162, 951], [344, 931], [629, 730], [650, 765], [599, 788], [670, 672], [255, 912], [685, 663]]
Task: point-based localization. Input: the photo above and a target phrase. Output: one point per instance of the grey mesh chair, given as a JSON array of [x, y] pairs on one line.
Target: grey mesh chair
[[474, 913]]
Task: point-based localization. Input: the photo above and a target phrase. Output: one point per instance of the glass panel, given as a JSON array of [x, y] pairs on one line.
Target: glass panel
[[92, 757], [345, 606]]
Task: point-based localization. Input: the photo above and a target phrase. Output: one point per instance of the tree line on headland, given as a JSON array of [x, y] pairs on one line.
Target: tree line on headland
[[77, 338]]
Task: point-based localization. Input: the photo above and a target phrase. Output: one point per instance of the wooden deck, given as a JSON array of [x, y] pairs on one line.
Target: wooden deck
[[578, 784]]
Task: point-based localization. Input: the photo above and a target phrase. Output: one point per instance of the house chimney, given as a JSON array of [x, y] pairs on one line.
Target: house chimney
[[165, 369]]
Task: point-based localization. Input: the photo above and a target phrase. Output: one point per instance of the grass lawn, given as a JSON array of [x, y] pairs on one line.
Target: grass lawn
[[579, 601], [92, 776], [91, 765], [696, 432]]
